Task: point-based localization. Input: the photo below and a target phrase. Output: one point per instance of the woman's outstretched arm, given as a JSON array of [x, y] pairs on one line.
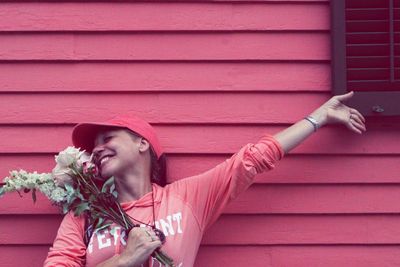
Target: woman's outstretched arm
[[333, 111]]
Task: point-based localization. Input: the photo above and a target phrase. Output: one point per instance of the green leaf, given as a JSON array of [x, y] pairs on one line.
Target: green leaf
[[81, 208], [112, 188], [71, 197], [34, 195], [112, 231], [92, 198], [98, 222], [2, 191], [107, 184], [65, 208], [69, 188], [79, 195], [103, 226]]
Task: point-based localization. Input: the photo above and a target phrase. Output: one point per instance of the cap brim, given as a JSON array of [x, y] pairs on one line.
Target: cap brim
[[84, 134]]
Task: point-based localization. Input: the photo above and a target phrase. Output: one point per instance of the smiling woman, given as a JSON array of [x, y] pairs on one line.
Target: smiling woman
[[174, 216], [116, 154]]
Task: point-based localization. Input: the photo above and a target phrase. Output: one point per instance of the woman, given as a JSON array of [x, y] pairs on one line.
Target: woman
[[128, 149]]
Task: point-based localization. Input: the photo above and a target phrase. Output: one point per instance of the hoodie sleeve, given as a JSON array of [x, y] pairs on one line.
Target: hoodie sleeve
[[68, 249], [209, 192]]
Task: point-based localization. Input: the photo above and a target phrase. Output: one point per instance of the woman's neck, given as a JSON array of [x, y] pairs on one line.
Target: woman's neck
[[132, 188]]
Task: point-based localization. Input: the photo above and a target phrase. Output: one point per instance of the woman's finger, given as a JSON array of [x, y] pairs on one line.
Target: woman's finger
[[155, 244], [355, 111], [353, 128], [152, 235], [345, 97], [358, 120], [154, 241], [358, 125]]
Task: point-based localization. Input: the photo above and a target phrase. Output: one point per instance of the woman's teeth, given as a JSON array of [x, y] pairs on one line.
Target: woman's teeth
[[104, 160]]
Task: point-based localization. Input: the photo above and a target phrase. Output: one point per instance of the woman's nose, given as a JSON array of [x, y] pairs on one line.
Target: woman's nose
[[96, 153], [97, 149]]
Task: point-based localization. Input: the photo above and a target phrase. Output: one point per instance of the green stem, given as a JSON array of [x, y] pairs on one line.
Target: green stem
[[113, 217], [124, 217], [92, 187], [163, 258], [118, 216]]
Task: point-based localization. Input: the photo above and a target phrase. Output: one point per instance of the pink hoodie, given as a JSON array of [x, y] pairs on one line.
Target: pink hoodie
[[183, 210]]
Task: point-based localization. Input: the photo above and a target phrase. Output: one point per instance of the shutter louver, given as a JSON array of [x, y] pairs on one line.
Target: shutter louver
[[369, 34], [372, 37]]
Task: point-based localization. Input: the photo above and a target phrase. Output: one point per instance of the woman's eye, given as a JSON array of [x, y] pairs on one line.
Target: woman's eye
[[107, 139]]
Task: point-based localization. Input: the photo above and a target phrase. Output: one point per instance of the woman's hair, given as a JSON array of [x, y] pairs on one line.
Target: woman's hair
[[158, 171], [158, 168]]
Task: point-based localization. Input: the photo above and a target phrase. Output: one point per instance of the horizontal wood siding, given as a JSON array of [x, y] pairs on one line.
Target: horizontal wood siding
[[211, 77]]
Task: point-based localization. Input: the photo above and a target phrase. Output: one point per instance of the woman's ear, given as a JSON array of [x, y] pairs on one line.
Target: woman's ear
[[144, 145]]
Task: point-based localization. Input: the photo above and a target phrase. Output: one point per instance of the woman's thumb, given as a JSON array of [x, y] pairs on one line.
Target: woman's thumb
[[345, 97]]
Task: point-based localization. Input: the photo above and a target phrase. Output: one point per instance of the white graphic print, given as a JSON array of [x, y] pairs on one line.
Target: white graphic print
[[170, 226]]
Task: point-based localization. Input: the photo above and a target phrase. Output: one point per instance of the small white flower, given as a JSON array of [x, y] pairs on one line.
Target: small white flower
[[45, 178], [68, 156], [58, 195], [47, 188]]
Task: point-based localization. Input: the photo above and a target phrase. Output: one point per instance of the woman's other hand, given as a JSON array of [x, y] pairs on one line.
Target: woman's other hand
[[335, 111], [141, 243]]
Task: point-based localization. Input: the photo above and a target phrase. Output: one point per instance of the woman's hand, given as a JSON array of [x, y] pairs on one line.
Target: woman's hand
[[141, 243], [335, 111]]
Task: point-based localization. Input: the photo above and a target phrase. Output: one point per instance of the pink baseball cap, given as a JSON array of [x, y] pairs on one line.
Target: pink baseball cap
[[84, 134]]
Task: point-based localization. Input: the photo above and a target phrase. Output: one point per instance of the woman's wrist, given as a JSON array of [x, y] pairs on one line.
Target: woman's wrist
[[320, 117], [116, 261], [124, 261]]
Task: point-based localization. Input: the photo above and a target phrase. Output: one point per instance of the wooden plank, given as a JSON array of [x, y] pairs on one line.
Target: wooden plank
[[173, 107], [317, 199], [163, 16], [293, 169], [299, 256], [256, 256], [373, 61], [367, 13], [23, 255], [179, 139], [366, 4], [368, 74], [176, 46], [374, 86], [12, 203], [304, 229], [42, 229], [382, 49], [269, 199], [338, 168], [367, 26], [242, 229], [368, 38], [164, 76]]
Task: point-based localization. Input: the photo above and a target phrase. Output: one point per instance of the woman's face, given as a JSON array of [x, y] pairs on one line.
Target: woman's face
[[116, 152]]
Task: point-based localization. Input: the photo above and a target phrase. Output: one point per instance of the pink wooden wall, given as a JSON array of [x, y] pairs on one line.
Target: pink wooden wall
[[211, 76]]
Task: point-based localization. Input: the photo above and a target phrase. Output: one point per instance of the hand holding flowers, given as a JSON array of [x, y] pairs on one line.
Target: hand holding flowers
[[74, 186]]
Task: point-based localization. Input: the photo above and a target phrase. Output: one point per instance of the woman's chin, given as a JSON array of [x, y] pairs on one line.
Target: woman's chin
[[105, 173]]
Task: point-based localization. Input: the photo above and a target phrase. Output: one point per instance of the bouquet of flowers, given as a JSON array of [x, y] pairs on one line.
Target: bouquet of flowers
[[74, 186]]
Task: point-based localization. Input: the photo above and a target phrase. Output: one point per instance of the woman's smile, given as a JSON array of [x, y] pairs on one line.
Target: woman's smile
[[104, 160], [117, 152]]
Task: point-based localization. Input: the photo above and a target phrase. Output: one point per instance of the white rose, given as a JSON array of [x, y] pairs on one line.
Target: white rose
[[84, 157], [62, 175], [68, 156]]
